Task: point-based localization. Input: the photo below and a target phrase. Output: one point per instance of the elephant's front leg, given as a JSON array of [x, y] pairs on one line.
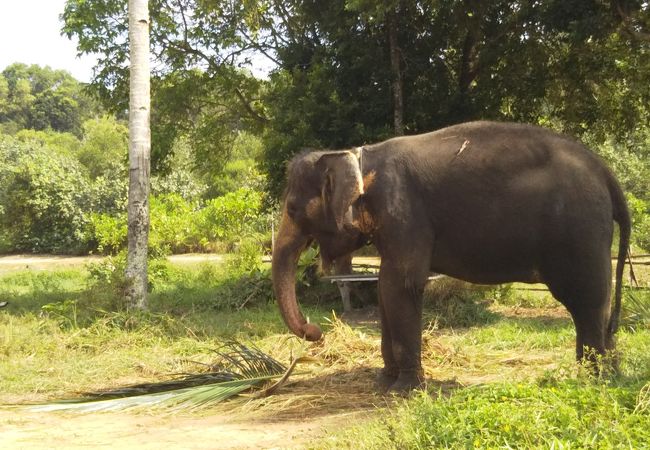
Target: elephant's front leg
[[400, 291]]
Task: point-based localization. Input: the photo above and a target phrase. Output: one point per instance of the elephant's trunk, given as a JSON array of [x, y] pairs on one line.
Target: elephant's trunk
[[289, 244]]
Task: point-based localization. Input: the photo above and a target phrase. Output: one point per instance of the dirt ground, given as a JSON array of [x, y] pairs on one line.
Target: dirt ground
[[34, 430], [13, 263]]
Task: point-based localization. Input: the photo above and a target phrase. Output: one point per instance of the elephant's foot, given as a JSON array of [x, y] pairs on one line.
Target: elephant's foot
[[407, 381], [386, 378]]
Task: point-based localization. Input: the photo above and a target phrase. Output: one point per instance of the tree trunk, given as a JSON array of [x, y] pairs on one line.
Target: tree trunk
[[139, 155], [469, 61], [396, 72]]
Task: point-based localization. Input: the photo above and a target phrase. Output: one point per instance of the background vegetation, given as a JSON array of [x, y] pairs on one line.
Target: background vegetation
[[340, 74]]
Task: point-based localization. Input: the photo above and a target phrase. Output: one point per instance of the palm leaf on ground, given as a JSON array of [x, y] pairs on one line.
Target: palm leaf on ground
[[238, 369]]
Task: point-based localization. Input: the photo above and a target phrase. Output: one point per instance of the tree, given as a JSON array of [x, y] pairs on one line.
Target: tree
[[40, 98], [104, 146], [45, 198], [356, 71], [575, 66], [139, 154], [200, 87]]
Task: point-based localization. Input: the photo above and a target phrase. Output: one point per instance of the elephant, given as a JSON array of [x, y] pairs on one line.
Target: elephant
[[484, 202]]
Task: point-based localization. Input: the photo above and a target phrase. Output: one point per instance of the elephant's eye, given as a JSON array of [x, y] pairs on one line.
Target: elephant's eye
[[292, 209]]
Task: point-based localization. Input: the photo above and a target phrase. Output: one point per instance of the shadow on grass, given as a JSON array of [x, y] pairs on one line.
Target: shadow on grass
[[334, 393]]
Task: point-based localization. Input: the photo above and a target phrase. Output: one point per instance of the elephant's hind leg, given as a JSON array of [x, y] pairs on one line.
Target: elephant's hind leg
[[583, 285]]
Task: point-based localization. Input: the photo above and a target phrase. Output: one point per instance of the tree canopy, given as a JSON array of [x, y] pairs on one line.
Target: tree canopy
[[37, 98], [345, 71]]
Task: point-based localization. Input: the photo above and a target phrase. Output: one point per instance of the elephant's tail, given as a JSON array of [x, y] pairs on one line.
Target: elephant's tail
[[622, 217]]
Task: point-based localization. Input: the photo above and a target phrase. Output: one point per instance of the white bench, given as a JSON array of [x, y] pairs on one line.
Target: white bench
[[343, 283]]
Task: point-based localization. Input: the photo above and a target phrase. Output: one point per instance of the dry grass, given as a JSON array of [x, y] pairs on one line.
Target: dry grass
[[349, 356], [342, 382]]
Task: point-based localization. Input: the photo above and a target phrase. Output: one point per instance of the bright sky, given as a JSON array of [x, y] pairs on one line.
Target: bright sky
[[30, 33]]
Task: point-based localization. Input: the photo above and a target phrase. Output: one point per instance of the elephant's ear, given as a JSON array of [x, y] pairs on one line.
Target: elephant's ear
[[342, 183]]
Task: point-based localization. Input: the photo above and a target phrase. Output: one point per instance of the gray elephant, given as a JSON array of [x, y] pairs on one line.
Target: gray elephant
[[484, 202]]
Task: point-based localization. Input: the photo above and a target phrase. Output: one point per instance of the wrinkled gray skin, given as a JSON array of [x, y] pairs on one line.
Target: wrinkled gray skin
[[483, 202]]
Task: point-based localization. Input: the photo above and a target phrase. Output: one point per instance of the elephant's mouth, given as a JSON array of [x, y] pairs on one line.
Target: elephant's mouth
[[339, 244]]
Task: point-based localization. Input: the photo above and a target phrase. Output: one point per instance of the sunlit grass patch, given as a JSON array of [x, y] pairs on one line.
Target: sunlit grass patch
[[29, 290], [566, 414]]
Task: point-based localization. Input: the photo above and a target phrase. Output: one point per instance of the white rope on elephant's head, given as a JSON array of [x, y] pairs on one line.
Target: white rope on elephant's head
[[359, 154]]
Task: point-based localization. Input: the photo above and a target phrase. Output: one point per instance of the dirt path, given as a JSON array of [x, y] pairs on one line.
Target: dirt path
[[30, 430], [47, 262]]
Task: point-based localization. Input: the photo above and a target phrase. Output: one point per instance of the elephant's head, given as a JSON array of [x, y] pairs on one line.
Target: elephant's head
[[321, 188]]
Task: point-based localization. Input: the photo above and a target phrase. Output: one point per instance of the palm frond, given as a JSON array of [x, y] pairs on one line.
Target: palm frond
[[238, 369], [636, 310]]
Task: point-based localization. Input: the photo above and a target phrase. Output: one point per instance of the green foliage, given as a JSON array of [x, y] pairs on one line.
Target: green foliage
[[180, 176], [247, 257], [45, 197], [109, 232], [640, 212], [104, 146], [48, 200], [232, 216], [207, 106], [564, 414], [636, 310], [41, 98], [173, 225], [181, 226], [64, 313], [629, 158], [544, 64], [109, 192], [236, 174], [65, 195], [63, 143]]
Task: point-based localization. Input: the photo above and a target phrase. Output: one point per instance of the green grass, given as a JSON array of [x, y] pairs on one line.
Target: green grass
[[500, 362], [570, 413], [512, 382], [61, 332]]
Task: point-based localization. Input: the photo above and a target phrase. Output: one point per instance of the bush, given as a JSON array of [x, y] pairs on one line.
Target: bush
[[640, 212], [232, 216], [104, 144], [45, 199], [173, 225], [636, 310], [180, 226], [109, 232]]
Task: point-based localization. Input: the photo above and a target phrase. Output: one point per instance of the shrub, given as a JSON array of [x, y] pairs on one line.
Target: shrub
[[109, 192], [105, 143], [180, 226], [109, 232], [45, 199], [173, 225], [232, 216], [636, 310], [640, 212]]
